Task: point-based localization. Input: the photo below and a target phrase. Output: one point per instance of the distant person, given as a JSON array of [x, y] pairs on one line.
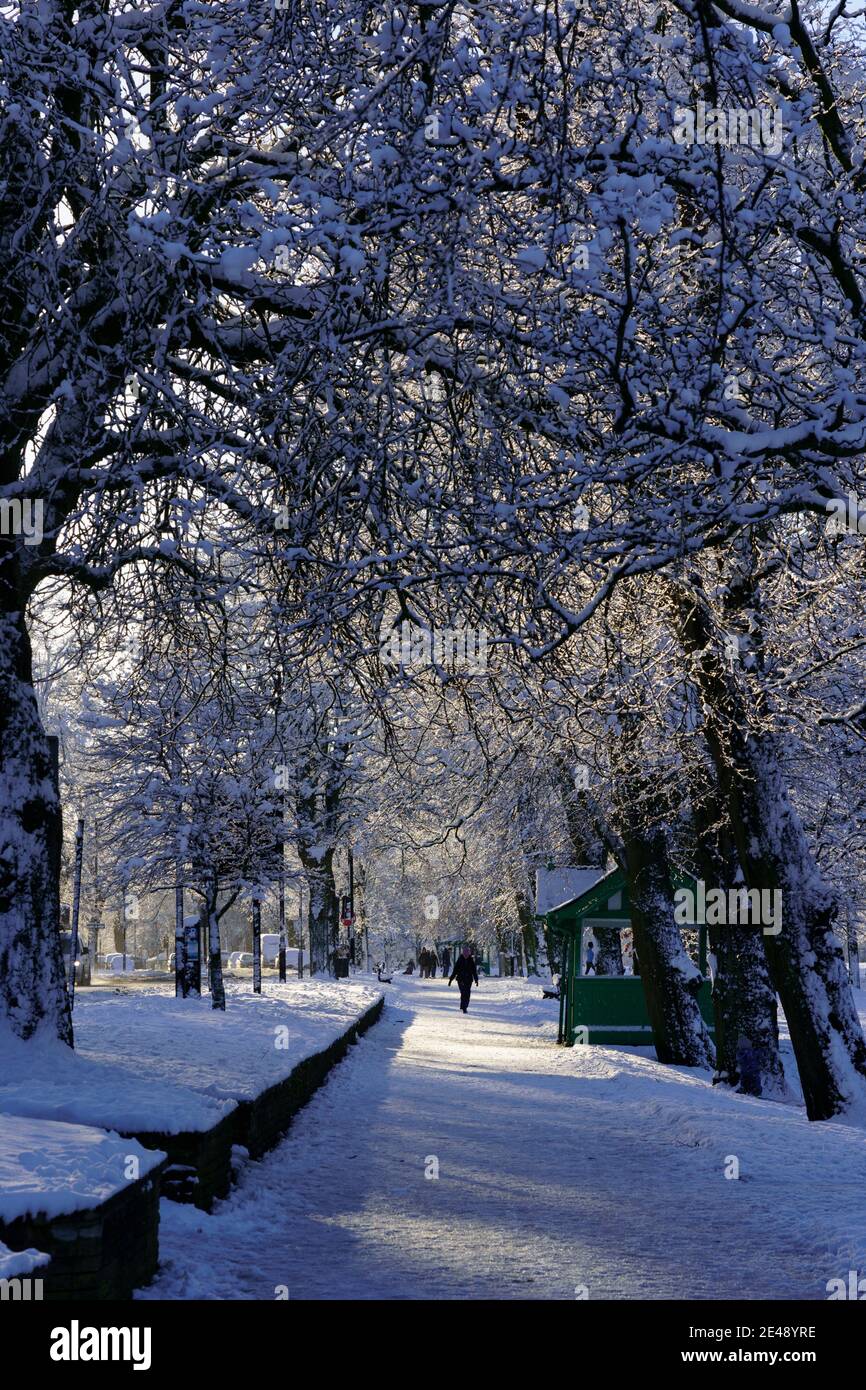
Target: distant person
[[446, 960], [409, 968], [433, 961], [465, 972], [590, 957], [423, 964]]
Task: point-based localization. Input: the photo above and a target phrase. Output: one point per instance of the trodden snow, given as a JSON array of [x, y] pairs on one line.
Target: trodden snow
[[581, 1172]]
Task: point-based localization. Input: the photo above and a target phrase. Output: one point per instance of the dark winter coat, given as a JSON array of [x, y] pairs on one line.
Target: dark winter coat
[[465, 971]]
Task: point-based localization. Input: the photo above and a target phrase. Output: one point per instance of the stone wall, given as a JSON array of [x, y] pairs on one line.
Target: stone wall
[[102, 1252], [262, 1122], [108, 1251], [199, 1163]]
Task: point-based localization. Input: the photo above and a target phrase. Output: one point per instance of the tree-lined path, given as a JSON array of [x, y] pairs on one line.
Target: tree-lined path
[[557, 1168]]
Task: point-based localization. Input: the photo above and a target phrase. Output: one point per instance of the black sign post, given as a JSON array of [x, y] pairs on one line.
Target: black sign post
[[300, 929], [282, 928], [76, 907], [257, 946]]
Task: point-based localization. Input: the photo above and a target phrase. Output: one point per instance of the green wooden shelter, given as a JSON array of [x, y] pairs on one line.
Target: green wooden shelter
[[606, 1009]]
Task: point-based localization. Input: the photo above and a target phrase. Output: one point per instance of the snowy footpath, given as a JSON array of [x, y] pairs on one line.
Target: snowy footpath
[[562, 1173]]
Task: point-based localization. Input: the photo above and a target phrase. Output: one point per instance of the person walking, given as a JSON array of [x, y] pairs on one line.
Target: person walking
[[465, 971], [424, 963], [446, 960], [433, 962]]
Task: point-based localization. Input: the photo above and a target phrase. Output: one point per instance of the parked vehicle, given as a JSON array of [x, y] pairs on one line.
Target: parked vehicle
[[82, 962], [246, 960], [271, 952], [270, 948], [235, 959], [114, 963]]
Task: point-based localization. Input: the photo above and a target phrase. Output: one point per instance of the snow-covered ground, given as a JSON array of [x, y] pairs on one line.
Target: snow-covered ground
[[52, 1169], [227, 1056], [147, 1061], [559, 1170]]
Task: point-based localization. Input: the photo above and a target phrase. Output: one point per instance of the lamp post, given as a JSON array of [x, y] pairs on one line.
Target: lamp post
[[351, 906], [282, 852], [282, 927], [257, 946], [300, 929]]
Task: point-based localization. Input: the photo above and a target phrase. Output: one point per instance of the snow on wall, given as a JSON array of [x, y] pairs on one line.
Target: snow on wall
[[14, 1264], [51, 1169], [224, 1057], [44, 1079], [145, 1061]]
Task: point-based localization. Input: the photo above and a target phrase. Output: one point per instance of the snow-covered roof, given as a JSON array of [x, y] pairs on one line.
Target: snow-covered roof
[[553, 887]]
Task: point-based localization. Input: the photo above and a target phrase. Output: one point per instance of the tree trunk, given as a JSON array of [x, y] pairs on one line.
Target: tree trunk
[[215, 962], [548, 952], [853, 951], [670, 979], [32, 980], [180, 972], [744, 1001], [585, 848], [324, 913], [608, 958], [806, 964], [317, 797], [361, 910], [638, 840], [528, 934]]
